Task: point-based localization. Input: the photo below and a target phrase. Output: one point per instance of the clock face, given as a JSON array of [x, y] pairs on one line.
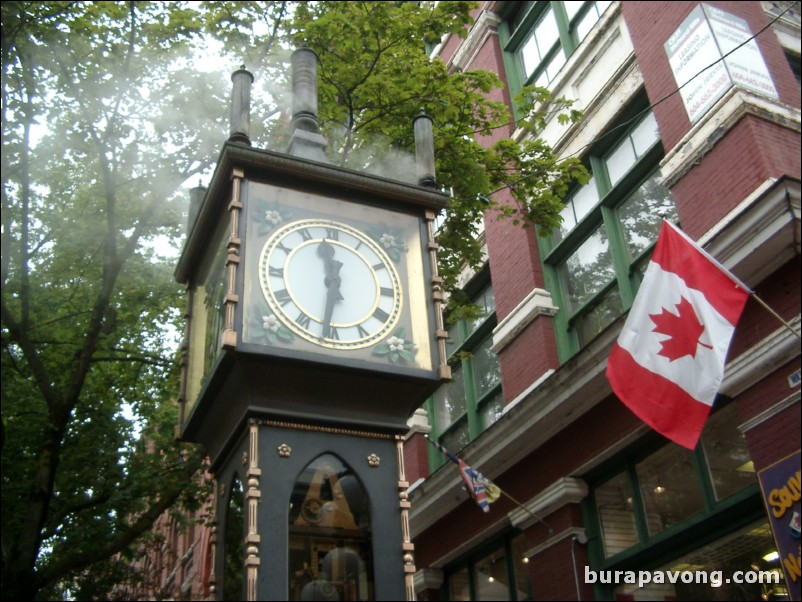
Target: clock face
[[330, 283], [331, 279]]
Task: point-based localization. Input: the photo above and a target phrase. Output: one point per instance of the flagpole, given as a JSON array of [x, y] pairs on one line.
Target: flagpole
[[525, 509], [753, 294], [504, 493]]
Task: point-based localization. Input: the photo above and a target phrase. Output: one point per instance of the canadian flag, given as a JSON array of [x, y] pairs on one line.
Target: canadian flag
[[668, 362]]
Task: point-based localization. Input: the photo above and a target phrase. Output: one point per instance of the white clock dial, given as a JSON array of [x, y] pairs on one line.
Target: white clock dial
[[330, 283]]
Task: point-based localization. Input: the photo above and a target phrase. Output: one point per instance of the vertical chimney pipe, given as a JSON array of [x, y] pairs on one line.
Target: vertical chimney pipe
[[424, 150], [304, 90], [240, 130]]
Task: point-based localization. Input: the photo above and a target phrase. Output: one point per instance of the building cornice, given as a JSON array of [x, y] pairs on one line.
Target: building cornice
[[484, 26], [537, 302], [768, 414], [566, 490], [720, 119]]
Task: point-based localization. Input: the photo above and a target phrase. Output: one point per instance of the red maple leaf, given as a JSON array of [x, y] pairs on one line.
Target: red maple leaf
[[683, 329]]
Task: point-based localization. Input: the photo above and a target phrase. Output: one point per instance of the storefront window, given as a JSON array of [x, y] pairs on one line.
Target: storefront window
[[496, 573], [492, 581], [726, 453], [329, 545], [459, 585], [669, 488], [654, 494], [741, 566], [614, 502]]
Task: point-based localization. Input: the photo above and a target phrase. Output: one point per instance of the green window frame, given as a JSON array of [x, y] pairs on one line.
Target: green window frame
[[594, 263], [471, 401], [648, 505], [487, 571], [539, 37]]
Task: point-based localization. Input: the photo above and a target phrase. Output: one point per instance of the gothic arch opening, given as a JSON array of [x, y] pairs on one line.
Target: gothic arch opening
[[330, 552]]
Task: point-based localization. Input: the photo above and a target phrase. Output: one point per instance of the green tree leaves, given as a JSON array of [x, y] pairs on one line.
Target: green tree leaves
[[92, 158]]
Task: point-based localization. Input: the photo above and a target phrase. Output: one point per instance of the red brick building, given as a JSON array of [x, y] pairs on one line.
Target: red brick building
[[692, 113]]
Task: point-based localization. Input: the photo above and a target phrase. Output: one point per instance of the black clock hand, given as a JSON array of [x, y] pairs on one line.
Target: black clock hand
[[332, 281]]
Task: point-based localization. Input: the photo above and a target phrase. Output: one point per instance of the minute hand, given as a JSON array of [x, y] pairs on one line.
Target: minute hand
[[332, 281]]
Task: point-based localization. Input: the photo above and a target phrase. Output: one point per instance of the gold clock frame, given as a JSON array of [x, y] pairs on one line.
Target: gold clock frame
[[277, 304]]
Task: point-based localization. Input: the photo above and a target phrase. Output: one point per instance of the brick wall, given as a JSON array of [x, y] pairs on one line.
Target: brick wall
[[647, 27], [728, 174], [528, 357]]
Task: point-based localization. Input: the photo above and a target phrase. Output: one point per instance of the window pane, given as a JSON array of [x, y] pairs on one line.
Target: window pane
[[586, 23], [530, 56], [490, 409], [234, 548], [491, 577], [642, 214], [726, 453], [546, 33], [457, 437], [620, 160], [449, 401], [520, 563], [568, 221], [487, 303], [555, 65], [597, 319], [617, 518], [743, 550], [669, 487], [585, 199], [572, 7], [454, 339], [485, 368], [645, 135], [588, 270], [577, 207], [458, 587]]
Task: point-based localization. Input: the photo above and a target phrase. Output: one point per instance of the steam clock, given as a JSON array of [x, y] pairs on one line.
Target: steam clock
[[313, 332]]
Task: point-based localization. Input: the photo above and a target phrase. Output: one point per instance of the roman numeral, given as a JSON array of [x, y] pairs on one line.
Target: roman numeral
[[282, 296], [386, 291], [274, 271], [283, 248], [302, 320], [362, 332], [332, 234], [379, 266], [381, 315], [305, 234]]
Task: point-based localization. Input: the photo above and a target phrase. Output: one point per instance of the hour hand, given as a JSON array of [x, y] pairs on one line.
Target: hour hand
[[332, 281]]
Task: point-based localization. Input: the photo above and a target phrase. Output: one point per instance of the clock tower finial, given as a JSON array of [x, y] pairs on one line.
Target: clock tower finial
[[424, 150], [306, 140], [240, 128]]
